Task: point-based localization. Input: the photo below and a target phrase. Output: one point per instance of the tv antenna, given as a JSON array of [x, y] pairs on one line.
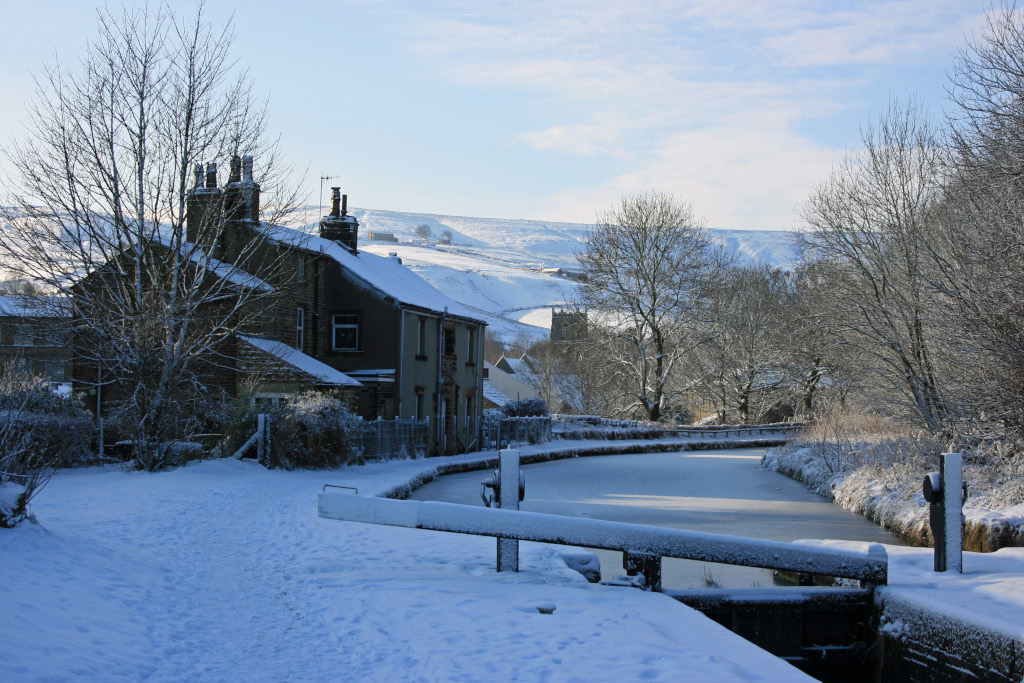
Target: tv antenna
[[322, 179]]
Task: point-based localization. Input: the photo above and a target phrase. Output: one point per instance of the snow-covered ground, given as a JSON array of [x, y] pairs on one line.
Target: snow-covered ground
[[989, 594], [222, 570]]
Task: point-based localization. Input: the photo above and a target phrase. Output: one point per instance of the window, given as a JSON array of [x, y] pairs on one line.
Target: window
[[345, 332], [55, 370], [471, 347], [419, 402], [421, 339], [24, 334], [449, 342], [300, 327], [301, 268]]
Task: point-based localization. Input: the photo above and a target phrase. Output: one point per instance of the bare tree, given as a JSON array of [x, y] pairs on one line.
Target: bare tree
[[870, 222], [742, 365], [650, 267], [816, 356], [980, 256], [99, 211]]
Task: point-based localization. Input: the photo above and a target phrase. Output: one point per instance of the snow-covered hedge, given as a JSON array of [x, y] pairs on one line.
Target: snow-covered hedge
[[526, 407], [595, 427], [314, 430], [39, 432], [309, 430], [636, 431]]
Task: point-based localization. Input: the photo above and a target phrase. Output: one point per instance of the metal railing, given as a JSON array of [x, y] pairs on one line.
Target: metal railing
[[645, 543], [391, 439], [594, 427], [515, 431], [787, 429]]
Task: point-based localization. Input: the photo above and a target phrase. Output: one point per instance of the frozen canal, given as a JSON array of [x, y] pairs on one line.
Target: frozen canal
[[719, 491]]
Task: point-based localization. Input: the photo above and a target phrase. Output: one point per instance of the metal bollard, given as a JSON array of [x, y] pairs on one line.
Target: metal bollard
[[648, 564], [508, 488], [940, 488]]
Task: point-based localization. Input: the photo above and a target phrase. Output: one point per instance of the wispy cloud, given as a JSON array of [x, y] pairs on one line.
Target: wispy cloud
[[705, 98]]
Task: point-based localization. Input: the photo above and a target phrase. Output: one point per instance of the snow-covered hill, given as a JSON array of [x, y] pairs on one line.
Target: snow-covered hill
[[496, 267]]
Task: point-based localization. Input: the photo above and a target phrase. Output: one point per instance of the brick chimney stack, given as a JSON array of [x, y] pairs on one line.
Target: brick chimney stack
[[203, 206], [338, 226]]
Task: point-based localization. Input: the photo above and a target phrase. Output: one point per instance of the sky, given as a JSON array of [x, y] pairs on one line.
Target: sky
[[555, 110]]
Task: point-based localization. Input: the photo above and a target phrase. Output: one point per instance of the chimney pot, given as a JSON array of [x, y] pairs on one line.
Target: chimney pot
[[335, 201], [344, 204], [211, 175], [247, 168], [199, 175], [236, 170]]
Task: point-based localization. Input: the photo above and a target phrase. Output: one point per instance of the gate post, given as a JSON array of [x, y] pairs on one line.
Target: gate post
[[508, 499], [945, 492]]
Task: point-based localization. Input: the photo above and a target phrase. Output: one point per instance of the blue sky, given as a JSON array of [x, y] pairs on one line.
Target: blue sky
[[554, 110]]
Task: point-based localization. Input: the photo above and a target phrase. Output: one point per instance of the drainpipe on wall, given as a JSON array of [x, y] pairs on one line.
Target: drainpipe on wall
[[401, 361], [316, 307], [479, 383], [440, 379]]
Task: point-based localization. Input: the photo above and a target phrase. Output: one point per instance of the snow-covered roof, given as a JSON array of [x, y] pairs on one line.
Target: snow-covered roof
[[493, 395], [518, 366], [225, 271], [511, 386], [373, 375], [521, 370], [23, 306], [306, 364], [384, 274]]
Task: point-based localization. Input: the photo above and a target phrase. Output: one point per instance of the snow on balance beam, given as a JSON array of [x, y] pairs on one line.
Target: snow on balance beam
[[871, 567]]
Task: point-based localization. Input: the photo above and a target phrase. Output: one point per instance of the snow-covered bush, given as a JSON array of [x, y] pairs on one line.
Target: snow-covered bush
[[526, 407], [314, 430], [491, 418], [39, 432], [652, 431], [871, 466], [594, 427]]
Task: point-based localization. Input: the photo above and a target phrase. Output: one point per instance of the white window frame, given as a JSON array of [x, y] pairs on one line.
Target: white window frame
[[421, 337], [24, 334], [337, 325], [300, 327]]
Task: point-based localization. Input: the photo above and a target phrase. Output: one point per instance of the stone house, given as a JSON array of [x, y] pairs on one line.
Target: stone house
[[32, 330], [501, 387], [360, 325]]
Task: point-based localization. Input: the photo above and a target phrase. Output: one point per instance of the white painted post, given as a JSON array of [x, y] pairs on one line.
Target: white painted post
[[952, 467], [261, 439], [508, 494]]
